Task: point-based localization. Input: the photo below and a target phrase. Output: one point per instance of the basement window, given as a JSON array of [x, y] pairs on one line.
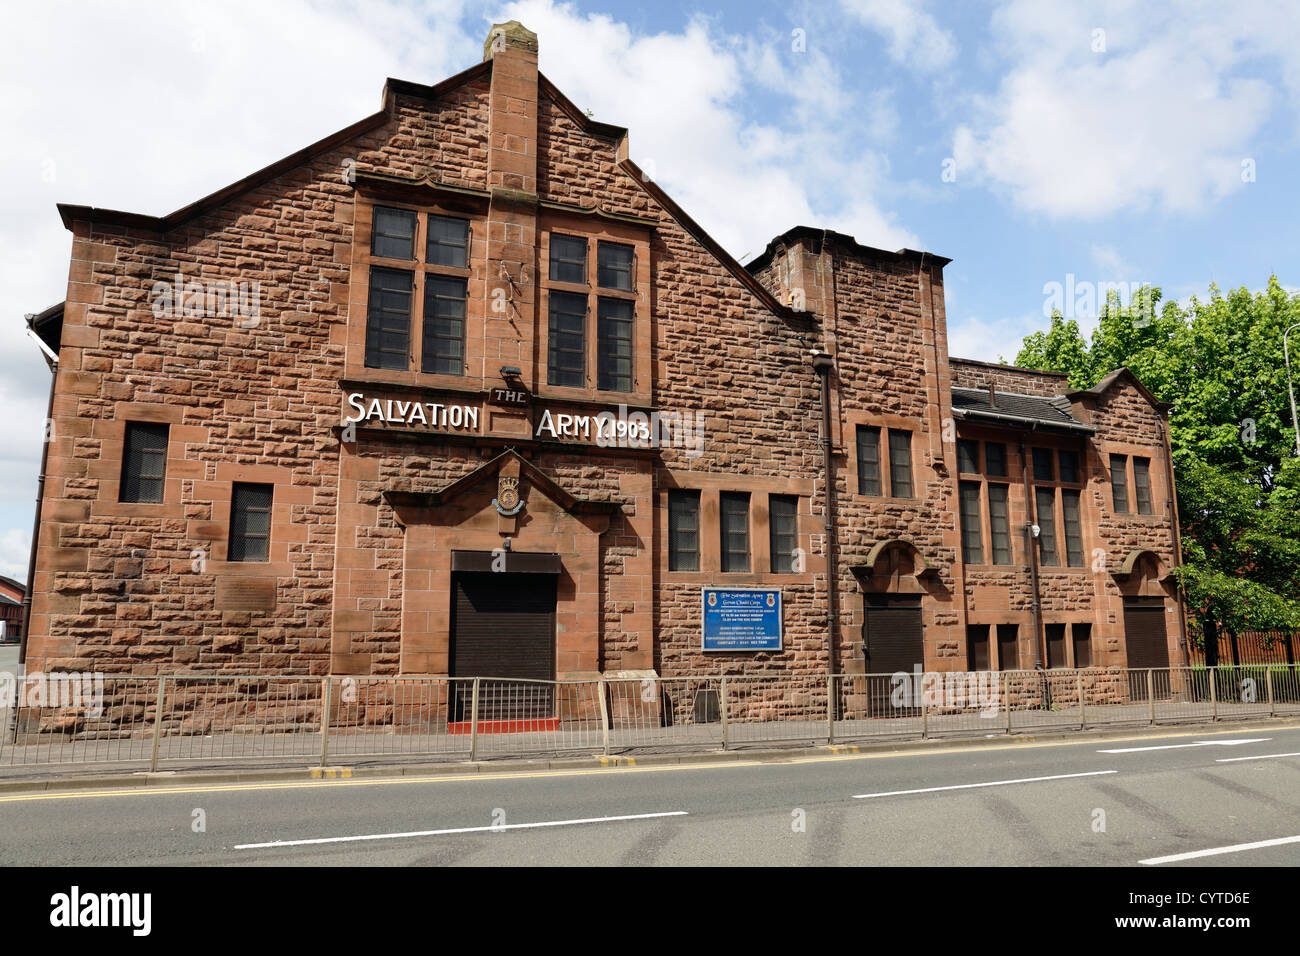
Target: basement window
[[734, 512], [250, 522], [683, 530], [144, 462], [783, 532]]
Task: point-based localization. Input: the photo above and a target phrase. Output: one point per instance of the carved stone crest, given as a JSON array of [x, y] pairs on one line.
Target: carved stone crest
[[507, 502]]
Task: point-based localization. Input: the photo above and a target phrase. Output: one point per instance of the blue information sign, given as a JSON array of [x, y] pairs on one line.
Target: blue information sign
[[742, 619]]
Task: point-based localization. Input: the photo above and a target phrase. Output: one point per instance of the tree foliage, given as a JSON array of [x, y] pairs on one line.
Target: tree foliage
[[1220, 363]]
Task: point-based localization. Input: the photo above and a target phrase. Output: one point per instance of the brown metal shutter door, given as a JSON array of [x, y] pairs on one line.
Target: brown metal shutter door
[[503, 625], [1146, 643], [893, 637], [892, 634]]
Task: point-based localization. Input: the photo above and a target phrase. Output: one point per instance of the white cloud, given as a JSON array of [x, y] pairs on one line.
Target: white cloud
[[1161, 119], [913, 36], [744, 179], [990, 341]]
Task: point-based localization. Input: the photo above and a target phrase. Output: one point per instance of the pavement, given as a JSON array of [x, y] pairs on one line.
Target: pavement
[[1202, 796]]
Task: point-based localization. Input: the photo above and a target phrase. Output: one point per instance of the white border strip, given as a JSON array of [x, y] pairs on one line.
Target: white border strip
[[1256, 757], [488, 829], [1217, 851], [992, 783]]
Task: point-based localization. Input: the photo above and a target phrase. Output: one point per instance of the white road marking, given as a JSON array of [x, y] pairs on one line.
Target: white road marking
[[991, 783], [1199, 743], [488, 829], [1256, 757], [1219, 850]]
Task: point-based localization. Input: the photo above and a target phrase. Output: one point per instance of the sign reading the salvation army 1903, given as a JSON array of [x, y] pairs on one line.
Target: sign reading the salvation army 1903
[[742, 619]]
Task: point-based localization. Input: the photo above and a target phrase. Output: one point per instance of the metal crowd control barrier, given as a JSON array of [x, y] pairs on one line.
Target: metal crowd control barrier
[[190, 720]]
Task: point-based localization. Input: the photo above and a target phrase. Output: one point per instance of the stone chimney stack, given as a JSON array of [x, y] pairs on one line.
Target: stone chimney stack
[[512, 152], [510, 314]]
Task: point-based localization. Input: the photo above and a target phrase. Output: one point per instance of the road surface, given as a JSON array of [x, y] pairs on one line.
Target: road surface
[[1196, 797]]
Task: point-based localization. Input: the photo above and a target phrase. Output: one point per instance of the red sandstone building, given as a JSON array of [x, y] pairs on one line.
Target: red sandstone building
[[459, 391]]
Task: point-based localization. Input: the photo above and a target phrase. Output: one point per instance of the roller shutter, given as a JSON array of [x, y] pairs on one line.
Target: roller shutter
[[894, 641], [1146, 643], [503, 625]]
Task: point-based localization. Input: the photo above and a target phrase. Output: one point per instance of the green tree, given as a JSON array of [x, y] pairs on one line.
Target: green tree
[[1220, 363]]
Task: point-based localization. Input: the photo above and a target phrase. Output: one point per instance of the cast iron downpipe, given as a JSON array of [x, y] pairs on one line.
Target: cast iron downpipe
[[1031, 552], [1178, 547], [823, 363]]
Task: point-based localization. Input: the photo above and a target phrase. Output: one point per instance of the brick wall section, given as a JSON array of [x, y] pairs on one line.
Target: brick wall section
[[969, 373], [1127, 424]]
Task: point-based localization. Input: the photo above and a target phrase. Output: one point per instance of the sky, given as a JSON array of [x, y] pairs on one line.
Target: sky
[[1032, 143]]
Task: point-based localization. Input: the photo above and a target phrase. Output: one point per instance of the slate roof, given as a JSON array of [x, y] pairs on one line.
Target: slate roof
[[1014, 409]]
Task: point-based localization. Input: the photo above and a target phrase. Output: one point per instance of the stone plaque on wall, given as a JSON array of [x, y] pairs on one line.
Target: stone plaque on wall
[[245, 594], [369, 584]]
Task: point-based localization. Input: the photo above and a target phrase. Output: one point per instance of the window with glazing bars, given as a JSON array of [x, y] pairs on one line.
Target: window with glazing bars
[[392, 233], [1046, 500], [999, 524], [614, 266], [1042, 458], [868, 460], [1142, 484], [783, 533], [683, 530], [1073, 528], [615, 319], [900, 463], [1119, 483], [566, 346], [444, 326], [968, 456], [250, 523], [448, 242], [734, 514], [144, 462], [388, 319], [568, 259], [995, 459], [972, 547], [1068, 462]]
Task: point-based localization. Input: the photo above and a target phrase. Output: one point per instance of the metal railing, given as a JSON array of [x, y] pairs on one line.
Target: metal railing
[[188, 720]]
